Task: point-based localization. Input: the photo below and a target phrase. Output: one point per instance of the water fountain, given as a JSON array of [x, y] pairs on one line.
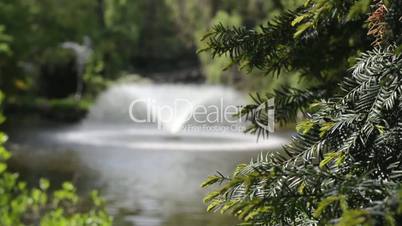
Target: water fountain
[[150, 172], [168, 117]]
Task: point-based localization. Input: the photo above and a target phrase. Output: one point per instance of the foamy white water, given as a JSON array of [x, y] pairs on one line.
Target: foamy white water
[[110, 120]]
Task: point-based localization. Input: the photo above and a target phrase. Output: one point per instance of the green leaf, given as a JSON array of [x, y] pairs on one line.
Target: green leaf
[[213, 205], [211, 196], [354, 217], [302, 28], [305, 126], [380, 129], [238, 169], [229, 205], [4, 154], [68, 186], [360, 7], [3, 138], [337, 156], [325, 203], [3, 167], [325, 127], [210, 180], [301, 187], [44, 184], [299, 19]]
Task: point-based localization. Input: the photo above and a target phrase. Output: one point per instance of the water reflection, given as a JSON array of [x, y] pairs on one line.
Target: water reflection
[[143, 187]]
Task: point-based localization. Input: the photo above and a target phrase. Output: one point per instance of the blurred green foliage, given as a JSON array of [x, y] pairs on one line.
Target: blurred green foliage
[[195, 17], [127, 37], [21, 205]]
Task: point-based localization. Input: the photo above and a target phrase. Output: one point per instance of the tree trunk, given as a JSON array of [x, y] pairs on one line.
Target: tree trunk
[[101, 14]]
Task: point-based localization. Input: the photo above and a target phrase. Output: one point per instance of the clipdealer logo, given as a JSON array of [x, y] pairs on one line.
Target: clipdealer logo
[[181, 111]]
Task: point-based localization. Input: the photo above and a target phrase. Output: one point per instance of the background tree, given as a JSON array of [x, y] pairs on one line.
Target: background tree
[[125, 36]]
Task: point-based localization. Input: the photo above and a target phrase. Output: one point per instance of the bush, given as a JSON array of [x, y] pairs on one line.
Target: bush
[[21, 205]]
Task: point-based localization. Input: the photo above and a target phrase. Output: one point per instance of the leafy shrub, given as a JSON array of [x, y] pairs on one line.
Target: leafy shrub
[[21, 205]]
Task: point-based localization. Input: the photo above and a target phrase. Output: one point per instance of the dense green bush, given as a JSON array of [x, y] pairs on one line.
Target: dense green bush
[[22, 205], [344, 165]]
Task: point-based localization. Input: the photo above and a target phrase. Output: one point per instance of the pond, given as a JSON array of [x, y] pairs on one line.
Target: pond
[[149, 177]]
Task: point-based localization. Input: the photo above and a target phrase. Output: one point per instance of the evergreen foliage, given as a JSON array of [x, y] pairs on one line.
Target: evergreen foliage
[[344, 165]]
